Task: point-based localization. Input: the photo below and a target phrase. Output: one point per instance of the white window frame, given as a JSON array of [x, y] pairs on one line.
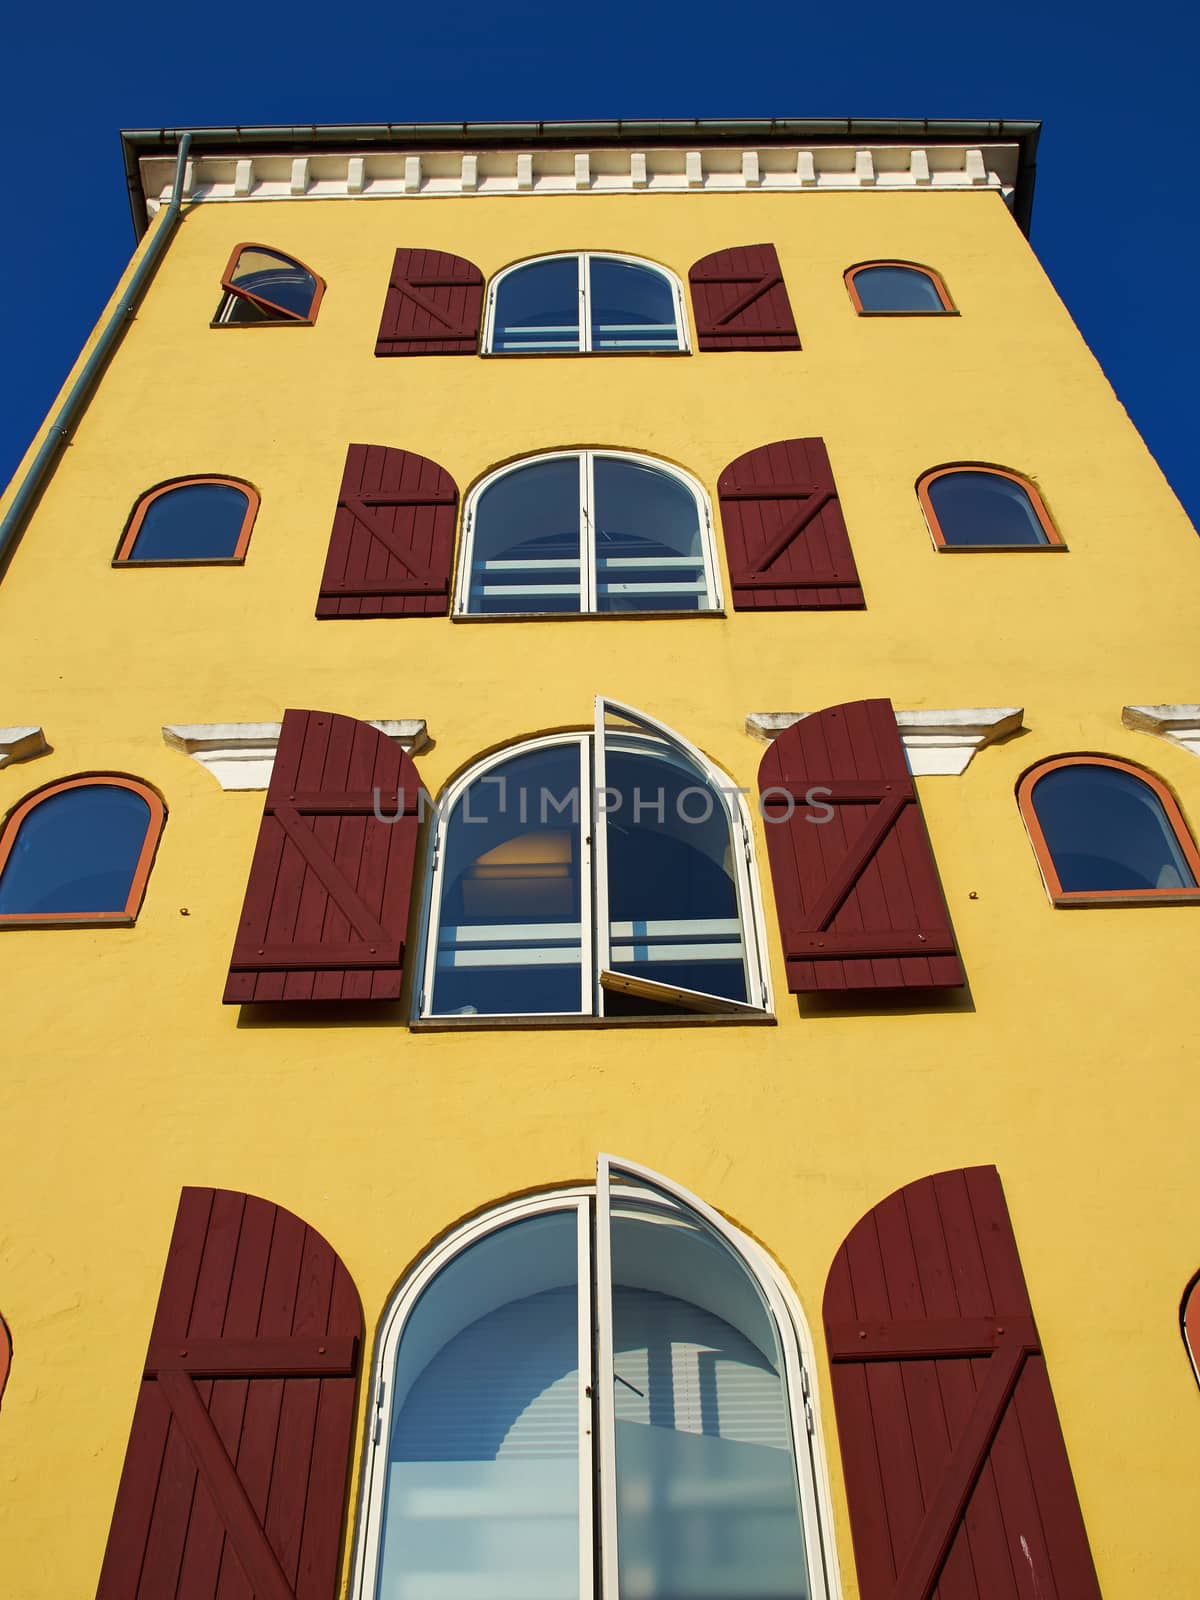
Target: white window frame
[[597, 1488], [584, 258], [595, 932], [588, 558]]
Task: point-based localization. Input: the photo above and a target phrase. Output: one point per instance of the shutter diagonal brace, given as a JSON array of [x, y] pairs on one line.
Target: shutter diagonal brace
[[357, 506], [408, 287], [755, 574], [359, 914], [880, 822], [229, 1497], [758, 286]]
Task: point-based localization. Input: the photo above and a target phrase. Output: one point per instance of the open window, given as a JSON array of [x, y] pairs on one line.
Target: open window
[[79, 851], [603, 875], [1107, 833], [593, 1393], [897, 289], [586, 303], [264, 285], [587, 531], [189, 522]]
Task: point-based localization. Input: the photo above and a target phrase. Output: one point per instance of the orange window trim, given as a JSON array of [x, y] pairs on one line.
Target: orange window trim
[[124, 555], [5, 1355], [934, 277], [280, 314], [1056, 541], [124, 918], [1107, 897], [1189, 1321]]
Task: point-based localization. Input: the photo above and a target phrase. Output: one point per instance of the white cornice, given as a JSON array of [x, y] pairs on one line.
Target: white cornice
[[1177, 724], [723, 170], [21, 744], [938, 743], [240, 755]]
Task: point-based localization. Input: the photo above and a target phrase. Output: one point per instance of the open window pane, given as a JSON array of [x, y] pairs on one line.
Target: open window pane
[[510, 929], [707, 1495], [76, 851], [890, 288], [632, 307], [984, 508], [1105, 829], [649, 543], [537, 307], [525, 551], [481, 1500], [193, 522], [283, 284]]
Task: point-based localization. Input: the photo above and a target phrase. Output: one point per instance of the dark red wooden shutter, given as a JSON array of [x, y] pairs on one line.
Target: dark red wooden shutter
[[433, 306], [956, 1471], [740, 302], [785, 536], [391, 551], [236, 1474], [859, 901], [326, 908]]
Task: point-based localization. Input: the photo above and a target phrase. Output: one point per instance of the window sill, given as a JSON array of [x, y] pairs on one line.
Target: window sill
[[692, 1020], [582, 616], [268, 322], [945, 311], [67, 919], [571, 355], [183, 561], [1080, 900], [998, 549]]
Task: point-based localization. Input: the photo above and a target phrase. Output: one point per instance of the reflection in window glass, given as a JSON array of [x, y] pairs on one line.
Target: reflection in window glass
[[537, 307], [649, 551], [984, 508], [482, 1487], [525, 553], [890, 288], [270, 277], [632, 307], [509, 937], [193, 522], [1106, 829], [76, 852]]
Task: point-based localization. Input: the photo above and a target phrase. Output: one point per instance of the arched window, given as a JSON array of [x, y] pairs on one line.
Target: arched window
[[587, 531], [594, 1393], [1189, 1323], [189, 521], [264, 285], [79, 851], [977, 507], [897, 288], [585, 303], [1106, 833], [604, 874]]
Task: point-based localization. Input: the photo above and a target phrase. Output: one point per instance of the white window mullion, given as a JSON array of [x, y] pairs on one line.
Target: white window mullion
[[588, 590], [587, 858], [587, 1455], [600, 918], [585, 304], [433, 912], [606, 1455]]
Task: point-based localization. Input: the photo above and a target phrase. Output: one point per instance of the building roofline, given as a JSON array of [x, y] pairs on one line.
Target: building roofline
[[702, 131]]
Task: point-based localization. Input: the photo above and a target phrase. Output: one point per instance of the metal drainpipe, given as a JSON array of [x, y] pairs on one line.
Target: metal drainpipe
[[69, 412]]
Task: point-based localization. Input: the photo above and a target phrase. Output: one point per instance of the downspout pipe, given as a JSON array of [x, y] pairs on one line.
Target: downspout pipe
[[71, 409]]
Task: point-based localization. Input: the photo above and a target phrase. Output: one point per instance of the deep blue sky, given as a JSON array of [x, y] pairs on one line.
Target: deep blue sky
[[1116, 218]]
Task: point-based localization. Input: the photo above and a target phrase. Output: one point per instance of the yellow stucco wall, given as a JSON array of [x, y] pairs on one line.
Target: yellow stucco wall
[[1069, 1064]]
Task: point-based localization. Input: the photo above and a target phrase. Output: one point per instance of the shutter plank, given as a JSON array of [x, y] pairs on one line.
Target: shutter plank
[[433, 305], [785, 537], [985, 1509], [740, 301]]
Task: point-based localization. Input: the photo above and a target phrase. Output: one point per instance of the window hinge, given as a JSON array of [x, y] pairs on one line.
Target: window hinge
[[421, 1002], [762, 989], [377, 1428], [805, 1392], [808, 1418]]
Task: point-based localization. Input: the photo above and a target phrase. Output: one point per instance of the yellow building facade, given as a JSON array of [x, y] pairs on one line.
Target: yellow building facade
[[1065, 1060]]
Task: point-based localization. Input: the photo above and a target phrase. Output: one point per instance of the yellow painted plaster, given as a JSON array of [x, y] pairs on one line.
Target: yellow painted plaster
[[1069, 1063]]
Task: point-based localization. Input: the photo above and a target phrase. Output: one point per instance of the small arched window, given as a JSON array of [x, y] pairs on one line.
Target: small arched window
[[587, 531], [585, 303], [977, 507], [1107, 833], [263, 285], [79, 852], [897, 288], [599, 1392], [596, 875], [189, 521]]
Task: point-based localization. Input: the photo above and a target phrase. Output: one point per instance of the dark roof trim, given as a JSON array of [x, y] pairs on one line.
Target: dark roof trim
[[417, 136]]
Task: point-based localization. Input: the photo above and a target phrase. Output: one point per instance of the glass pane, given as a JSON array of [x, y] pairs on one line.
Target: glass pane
[[510, 939], [1106, 830], [537, 307], [525, 548], [707, 1495], [196, 522], [482, 1493], [649, 555], [632, 307], [896, 289], [981, 508], [76, 851], [672, 888], [276, 278]]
